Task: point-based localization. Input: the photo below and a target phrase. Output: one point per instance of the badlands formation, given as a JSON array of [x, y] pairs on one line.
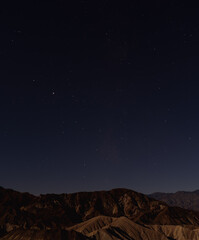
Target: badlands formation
[[119, 214]]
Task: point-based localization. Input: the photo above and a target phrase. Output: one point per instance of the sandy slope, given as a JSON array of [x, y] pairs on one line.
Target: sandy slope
[[117, 228], [92, 225], [178, 232], [107, 228], [102, 227]]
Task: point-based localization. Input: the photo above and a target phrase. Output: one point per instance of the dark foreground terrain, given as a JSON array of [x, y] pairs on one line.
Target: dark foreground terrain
[[116, 214]]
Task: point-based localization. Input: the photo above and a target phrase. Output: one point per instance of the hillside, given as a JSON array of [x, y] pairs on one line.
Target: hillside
[[115, 214]]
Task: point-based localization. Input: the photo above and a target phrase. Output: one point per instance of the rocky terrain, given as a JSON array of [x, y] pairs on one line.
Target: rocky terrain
[[188, 200], [116, 214]]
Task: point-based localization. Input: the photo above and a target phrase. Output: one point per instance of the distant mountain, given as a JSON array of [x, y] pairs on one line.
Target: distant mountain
[[187, 200], [116, 214]]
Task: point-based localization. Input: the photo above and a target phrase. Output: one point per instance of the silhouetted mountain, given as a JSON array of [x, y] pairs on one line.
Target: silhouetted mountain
[[116, 214], [187, 200]]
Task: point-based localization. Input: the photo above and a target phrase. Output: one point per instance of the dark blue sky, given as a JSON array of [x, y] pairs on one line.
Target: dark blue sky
[[98, 94]]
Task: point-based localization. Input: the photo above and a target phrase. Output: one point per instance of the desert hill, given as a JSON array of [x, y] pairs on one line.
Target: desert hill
[[101, 227], [118, 228], [116, 214]]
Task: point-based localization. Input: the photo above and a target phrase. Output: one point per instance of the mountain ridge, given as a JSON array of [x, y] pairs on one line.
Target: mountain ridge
[[116, 214], [184, 199]]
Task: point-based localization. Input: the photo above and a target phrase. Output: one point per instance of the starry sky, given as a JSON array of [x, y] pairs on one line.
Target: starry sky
[[98, 95]]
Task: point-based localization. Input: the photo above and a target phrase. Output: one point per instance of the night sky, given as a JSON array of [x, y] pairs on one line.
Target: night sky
[[96, 95]]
